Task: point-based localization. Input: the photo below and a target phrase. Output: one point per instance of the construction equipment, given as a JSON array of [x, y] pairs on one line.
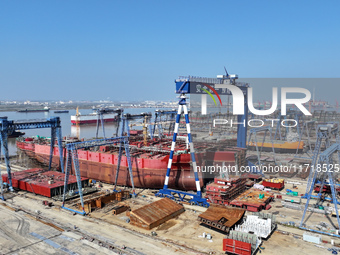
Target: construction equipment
[[307, 127], [254, 132], [125, 142], [100, 112], [198, 85], [176, 194], [72, 154], [145, 131], [163, 117], [8, 126], [322, 166], [144, 116], [292, 114]]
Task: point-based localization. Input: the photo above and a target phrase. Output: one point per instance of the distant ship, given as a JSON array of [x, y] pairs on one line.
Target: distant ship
[[92, 118], [61, 111], [45, 109]]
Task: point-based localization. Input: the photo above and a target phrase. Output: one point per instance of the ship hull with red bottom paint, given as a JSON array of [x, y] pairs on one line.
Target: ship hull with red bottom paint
[[147, 173], [148, 167]]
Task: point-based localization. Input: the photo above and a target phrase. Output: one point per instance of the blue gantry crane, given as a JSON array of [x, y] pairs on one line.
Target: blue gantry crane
[[125, 131], [163, 116], [324, 135], [254, 132], [72, 155], [100, 119], [322, 166], [8, 126], [199, 85], [306, 127]]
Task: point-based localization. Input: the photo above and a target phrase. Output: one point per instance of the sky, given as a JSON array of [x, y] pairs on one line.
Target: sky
[[134, 50]]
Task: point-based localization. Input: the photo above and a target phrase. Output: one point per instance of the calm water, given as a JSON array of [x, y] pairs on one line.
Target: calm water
[[86, 131]]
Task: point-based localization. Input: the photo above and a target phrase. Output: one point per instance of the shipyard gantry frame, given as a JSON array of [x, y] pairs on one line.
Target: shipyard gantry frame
[[100, 118], [254, 132], [161, 117], [8, 126], [203, 86], [218, 86], [177, 194], [324, 161], [292, 114], [72, 155]]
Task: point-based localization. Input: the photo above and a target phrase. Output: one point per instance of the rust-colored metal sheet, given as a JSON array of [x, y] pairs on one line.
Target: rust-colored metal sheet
[[119, 208], [253, 200], [221, 217], [99, 200], [156, 213]]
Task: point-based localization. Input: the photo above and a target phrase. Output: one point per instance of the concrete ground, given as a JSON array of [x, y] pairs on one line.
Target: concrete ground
[[22, 234]]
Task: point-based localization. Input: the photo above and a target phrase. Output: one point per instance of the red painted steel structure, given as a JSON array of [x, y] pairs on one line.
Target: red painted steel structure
[[224, 191], [41, 182], [251, 201], [274, 185], [325, 189], [236, 247]]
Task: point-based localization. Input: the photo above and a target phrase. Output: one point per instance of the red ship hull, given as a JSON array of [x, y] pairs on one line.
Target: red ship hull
[[94, 121], [148, 167], [147, 172]]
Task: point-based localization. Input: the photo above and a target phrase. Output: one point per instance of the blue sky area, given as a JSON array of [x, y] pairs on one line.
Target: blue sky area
[[133, 50]]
